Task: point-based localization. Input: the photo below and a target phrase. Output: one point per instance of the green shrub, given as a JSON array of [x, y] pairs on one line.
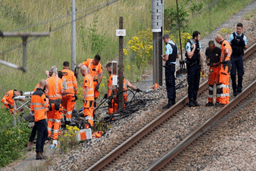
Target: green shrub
[[195, 7], [13, 139], [171, 18], [68, 139]]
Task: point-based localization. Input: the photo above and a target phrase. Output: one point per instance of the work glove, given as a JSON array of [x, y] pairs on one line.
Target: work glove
[[10, 106], [105, 96], [97, 86], [75, 96], [138, 90]]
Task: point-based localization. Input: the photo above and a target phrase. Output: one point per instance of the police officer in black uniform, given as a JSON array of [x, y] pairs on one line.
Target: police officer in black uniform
[[238, 43], [170, 61], [194, 59]]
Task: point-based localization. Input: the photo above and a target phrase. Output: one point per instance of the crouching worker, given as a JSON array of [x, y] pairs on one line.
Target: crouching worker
[[39, 107], [112, 93], [88, 96], [8, 99]]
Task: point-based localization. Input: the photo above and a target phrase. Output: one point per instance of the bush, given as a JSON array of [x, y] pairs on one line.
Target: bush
[[68, 139], [171, 18], [195, 7], [225, 32], [13, 139]]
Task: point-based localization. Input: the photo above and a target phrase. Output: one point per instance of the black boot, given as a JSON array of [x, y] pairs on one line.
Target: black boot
[[209, 104], [40, 156], [170, 103], [233, 78], [239, 85], [195, 102], [191, 102]]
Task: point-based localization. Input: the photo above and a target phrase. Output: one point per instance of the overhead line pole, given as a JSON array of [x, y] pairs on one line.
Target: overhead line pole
[[73, 33], [73, 43], [157, 27], [24, 36]]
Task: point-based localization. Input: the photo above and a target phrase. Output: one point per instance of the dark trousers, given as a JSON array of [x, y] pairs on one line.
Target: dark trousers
[[237, 66], [170, 83], [42, 133], [33, 133], [193, 80]]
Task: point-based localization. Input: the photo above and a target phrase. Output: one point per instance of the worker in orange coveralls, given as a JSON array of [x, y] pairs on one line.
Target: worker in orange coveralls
[[212, 54], [70, 95], [95, 70], [54, 93], [88, 95], [225, 66], [8, 99], [112, 90], [39, 107]]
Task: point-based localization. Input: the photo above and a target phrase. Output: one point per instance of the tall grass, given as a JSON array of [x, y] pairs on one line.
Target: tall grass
[[53, 50], [208, 21]]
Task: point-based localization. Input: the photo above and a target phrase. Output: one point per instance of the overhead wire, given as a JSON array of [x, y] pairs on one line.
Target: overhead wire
[[100, 6], [55, 19]]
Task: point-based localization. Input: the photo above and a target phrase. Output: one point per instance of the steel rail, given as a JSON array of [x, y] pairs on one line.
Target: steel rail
[[202, 129], [206, 125], [152, 125]]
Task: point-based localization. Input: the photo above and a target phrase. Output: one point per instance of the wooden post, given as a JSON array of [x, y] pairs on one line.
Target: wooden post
[[120, 70]]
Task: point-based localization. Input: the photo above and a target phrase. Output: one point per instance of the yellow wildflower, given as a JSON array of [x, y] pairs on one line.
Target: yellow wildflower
[[125, 52]]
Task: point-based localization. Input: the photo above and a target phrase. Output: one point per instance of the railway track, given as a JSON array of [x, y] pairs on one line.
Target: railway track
[[219, 117], [159, 122]]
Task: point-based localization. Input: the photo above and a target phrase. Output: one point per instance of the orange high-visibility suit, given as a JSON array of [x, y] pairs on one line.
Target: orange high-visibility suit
[[8, 101], [54, 114], [112, 89], [223, 86], [68, 102], [89, 100], [214, 74], [94, 71], [38, 105]]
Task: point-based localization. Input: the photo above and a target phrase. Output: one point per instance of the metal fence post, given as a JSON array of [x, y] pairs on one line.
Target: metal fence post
[[14, 115]]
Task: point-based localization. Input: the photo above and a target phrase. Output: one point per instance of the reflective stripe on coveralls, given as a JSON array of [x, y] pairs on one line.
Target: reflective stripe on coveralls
[[89, 101], [223, 87]]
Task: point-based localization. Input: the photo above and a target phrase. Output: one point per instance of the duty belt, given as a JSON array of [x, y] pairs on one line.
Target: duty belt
[[55, 101]]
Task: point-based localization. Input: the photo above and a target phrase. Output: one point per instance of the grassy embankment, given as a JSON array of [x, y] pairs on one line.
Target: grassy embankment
[[210, 18], [45, 52]]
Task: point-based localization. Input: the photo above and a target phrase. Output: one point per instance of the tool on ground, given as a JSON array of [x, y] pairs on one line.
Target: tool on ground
[[84, 134]]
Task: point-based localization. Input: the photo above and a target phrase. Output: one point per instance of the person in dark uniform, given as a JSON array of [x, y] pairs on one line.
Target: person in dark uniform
[[212, 54], [238, 43], [170, 61], [194, 59]]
